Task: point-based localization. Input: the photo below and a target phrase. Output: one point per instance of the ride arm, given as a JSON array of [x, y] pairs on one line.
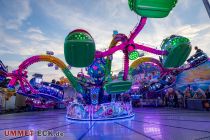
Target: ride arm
[[116, 39], [150, 50], [73, 80], [138, 29]]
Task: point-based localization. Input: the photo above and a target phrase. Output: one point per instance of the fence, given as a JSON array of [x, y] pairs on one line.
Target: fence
[[198, 104]]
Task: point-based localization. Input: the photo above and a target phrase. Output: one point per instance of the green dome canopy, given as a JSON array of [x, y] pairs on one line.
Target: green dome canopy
[[79, 48], [152, 8], [178, 49], [117, 87]]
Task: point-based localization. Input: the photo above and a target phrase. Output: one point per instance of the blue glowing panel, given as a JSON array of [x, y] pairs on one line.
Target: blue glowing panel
[[94, 95], [198, 77]]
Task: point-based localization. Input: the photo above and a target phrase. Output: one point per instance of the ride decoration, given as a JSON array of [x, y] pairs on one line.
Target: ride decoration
[[107, 111], [197, 59], [154, 80], [128, 46], [120, 42], [168, 76], [26, 89], [142, 60], [79, 48], [178, 48], [79, 40], [118, 38], [133, 55], [97, 70], [94, 91], [20, 74], [38, 103], [51, 91], [152, 8], [3, 71], [80, 51], [117, 86], [96, 74]]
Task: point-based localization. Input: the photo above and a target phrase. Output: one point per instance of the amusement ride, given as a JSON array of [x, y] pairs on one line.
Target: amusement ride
[[99, 81]]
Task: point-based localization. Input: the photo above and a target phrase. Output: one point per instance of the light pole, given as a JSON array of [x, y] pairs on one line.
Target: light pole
[[207, 5]]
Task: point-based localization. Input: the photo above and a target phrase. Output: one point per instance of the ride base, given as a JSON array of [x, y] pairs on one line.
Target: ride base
[[102, 112]]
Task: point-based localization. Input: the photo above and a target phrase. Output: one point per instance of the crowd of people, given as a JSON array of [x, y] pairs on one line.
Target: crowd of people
[[178, 98]]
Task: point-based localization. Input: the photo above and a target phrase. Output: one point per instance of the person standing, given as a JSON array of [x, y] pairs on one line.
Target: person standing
[[199, 94], [206, 103], [173, 98], [1, 102], [208, 93], [180, 98], [188, 93], [197, 49], [176, 100]]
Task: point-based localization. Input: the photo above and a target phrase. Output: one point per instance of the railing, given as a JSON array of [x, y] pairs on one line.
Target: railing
[[197, 104], [194, 104], [151, 102]]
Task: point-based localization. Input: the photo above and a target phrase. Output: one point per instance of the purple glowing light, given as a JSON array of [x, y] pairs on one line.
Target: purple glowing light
[[135, 87]]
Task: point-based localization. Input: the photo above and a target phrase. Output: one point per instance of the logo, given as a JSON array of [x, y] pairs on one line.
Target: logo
[[18, 133]]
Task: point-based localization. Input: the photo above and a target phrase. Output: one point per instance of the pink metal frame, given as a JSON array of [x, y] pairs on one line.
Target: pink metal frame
[[129, 45], [20, 75]]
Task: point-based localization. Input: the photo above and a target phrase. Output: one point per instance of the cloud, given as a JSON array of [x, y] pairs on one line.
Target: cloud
[[13, 64], [153, 33], [31, 42], [49, 73], [158, 29], [37, 37], [13, 14], [8, 42], [34, 30], [99, 26], [99, 18], [32, 47]]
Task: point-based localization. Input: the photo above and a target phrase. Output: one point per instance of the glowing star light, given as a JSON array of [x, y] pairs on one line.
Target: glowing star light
[[133, 55]]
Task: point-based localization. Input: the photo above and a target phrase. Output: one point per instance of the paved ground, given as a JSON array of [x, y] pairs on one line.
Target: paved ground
[[148, 124]]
